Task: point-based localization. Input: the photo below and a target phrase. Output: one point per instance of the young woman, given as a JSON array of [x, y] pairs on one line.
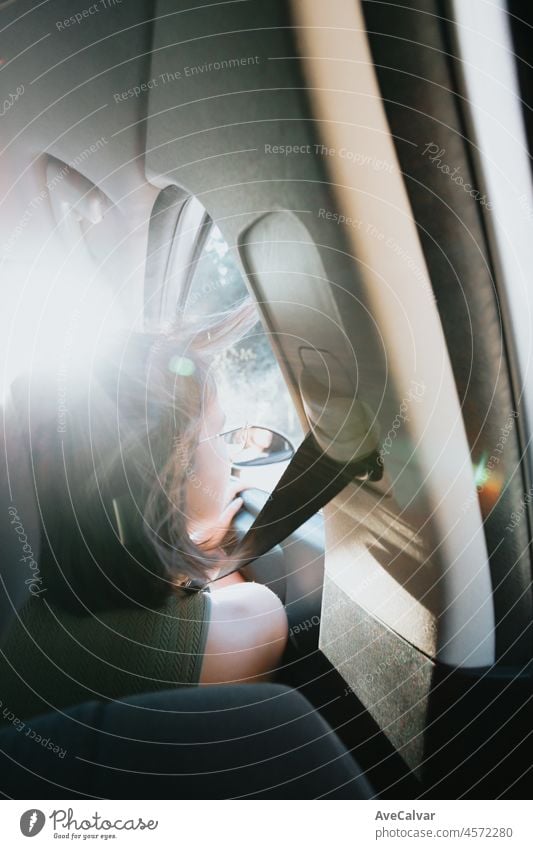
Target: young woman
[[136, 500]]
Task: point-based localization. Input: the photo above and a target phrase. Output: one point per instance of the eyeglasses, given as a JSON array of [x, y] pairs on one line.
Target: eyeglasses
[[237, 437]]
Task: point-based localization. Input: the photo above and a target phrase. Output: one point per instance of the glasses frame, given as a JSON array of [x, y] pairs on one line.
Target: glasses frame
[[245, 427]]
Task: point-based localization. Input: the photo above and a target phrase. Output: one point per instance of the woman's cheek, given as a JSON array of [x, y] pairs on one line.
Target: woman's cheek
[[193, 501], [208, 485]]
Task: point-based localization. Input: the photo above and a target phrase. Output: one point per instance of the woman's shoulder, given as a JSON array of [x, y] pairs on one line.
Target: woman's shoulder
[[247, 634]]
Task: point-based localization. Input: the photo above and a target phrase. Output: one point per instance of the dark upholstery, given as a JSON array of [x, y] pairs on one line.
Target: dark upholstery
[[253, 741]]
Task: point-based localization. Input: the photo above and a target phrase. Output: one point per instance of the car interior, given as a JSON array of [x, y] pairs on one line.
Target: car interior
[[308, 150]]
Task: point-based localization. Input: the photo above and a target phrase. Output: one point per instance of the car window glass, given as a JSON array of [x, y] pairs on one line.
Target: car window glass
[[248, 376]]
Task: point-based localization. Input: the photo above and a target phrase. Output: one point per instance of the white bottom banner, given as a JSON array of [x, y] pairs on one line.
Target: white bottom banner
[[268, 824]]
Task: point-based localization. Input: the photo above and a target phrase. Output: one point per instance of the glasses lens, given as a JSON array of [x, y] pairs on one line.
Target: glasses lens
[[235, 440]]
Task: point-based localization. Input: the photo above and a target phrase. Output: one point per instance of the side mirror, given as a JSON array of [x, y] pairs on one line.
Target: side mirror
[[257, 446]]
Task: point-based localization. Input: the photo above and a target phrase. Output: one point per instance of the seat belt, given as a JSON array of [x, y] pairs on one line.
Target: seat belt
[[310, 481]]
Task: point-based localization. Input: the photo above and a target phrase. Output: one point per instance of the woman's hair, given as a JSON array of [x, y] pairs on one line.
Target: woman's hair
[[112, 454]]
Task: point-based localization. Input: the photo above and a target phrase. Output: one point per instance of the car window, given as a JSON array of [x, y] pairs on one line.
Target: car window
[[248, 376]]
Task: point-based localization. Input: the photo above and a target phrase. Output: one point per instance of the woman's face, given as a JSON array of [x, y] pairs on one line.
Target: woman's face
[[208, 475]]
